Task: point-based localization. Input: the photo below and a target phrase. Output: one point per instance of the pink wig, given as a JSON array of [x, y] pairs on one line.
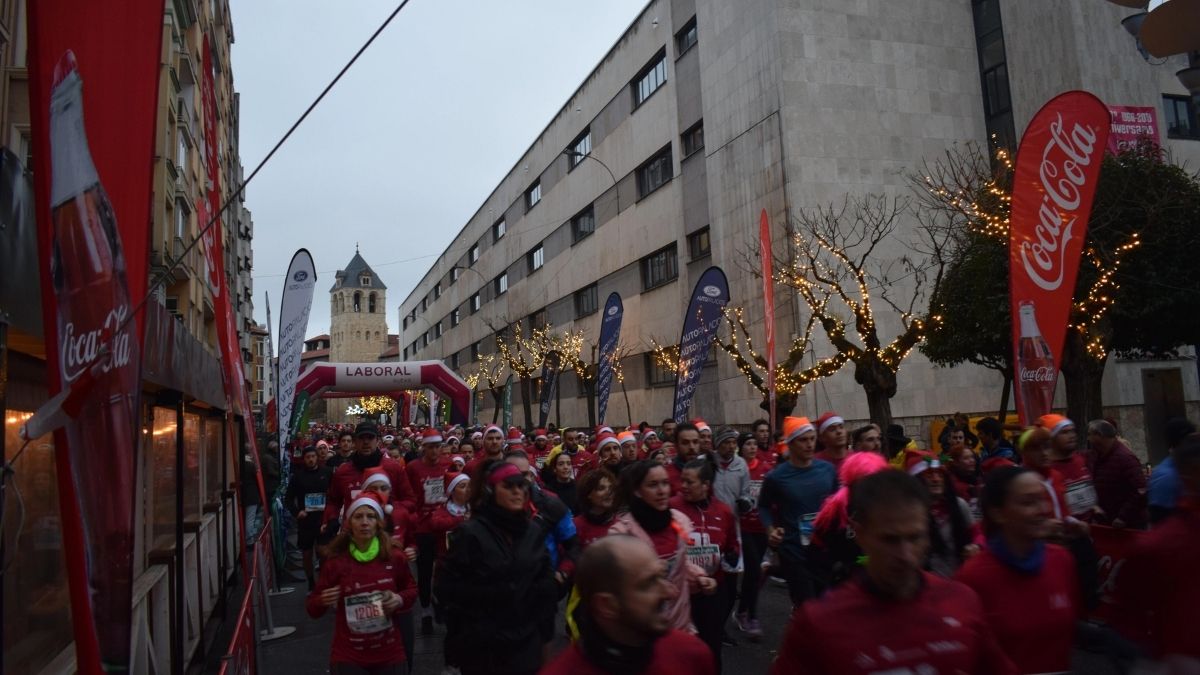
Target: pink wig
[[833, 514]]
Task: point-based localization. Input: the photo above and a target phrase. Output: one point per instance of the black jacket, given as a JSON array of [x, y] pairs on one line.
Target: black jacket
[[306, 482], [495, 586]]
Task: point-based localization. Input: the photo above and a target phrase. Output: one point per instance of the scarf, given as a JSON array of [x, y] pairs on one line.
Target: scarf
[[368, 555], [650, 518], [1030, 565], [456, 510], [512, 524], [368, 462], [608, 655], [598, 519]]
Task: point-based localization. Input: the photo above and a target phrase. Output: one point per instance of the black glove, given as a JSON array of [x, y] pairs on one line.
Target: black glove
[[730, 559], [744, 506]]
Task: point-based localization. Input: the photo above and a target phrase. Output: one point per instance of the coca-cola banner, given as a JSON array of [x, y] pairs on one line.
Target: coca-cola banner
[[704, 315], [93, 81], [768, 272], [1058, 166], [298, 288], [610, 335]]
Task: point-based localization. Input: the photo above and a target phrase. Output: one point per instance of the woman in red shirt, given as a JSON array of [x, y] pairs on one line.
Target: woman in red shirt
[[366, 581], [1028, 588], [712, 546], [597, 494]]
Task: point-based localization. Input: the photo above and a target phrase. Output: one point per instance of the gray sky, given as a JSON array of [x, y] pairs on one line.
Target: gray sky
[[413, 138]]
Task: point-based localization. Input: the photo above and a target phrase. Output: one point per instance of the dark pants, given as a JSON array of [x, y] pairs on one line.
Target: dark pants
[[709, 613], [803, 583], [404, 622], [754, 547], [351, 669], [426, 553]]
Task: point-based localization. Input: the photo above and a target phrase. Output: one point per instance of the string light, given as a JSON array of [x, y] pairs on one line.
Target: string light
[[376, 405]]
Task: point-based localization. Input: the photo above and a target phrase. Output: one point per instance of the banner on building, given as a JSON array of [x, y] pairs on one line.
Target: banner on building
[[551, 365], [767, 260], [1058, 166], [1131, 127], [704, 315], [508, 402], [298, 288], [93, 120], [610, 337]]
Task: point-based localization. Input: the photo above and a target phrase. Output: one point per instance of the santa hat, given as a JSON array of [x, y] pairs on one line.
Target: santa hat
[[515, 437], [430, 436], [539, 434], [389, 438], [650, 433], [322, 444], [476, 435], [917, 462], [492, 427], [701, 425], [453, 479], [457, 459], [795, 427], [827, 420], [607, 439], [1055, 424], [604, 430], [371, 499], [626, 437]]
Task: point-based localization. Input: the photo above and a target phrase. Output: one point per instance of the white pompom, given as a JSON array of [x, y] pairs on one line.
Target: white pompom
[[388, 509]]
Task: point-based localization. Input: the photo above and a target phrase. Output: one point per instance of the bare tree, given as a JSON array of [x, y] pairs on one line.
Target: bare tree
[[844, 261], [487, 371]]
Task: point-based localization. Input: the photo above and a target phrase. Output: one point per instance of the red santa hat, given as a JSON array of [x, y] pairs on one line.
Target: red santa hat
[[430, 435], [828, 419], [452, 480], [515, 437], [917, 462], [626, 437], [492, 427], [606, 439], [540, 435], [701, 425], [368, 498], [650, 433]]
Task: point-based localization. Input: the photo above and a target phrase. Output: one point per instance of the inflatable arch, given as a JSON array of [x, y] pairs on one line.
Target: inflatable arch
[[389, 379]]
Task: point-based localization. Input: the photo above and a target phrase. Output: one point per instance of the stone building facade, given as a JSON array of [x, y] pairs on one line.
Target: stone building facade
[[358, 330]]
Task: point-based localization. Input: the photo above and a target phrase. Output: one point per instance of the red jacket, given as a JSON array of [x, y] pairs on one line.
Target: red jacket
[[428, 487], [676, 653], [588, 531], [1080, 489], [674, 475], [1159, 577], [375, 640], [583, 462], [1120, 486], [759, 470], [1032, 616], [401, 527], [480, 459], [714, 534], [853, 630], [441, 524], [347, 481]]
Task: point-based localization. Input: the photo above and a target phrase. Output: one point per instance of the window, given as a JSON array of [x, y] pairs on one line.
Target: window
[[533, 195], [537, 320], [656, 374], [699, 244], [181, 219], [406, 353], [474, 352], [993, 73], [425, 339], [454, 360], [686, 37], [693, 139], [654, 173], [536, 258], [455, 317], [357, 301], [437, 330], [364, 280], [475, 303], [659, 268], [424, 303], [650, 79], [580, 148], [454, 273], [500, 285], [181, 156], [371, 303], [583, 224], [474, 255], [585, 301], [405, 322], [437, 290], [1180, 114], [498, 230]]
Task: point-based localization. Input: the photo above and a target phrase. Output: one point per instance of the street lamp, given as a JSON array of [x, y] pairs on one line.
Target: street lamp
[[470, 269], [570, 154]]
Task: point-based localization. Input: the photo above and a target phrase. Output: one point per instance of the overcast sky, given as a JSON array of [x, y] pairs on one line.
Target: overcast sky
[[414, 137]]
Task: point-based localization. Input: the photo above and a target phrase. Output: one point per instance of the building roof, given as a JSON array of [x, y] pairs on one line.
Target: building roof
[[390, 353], [322, 336], [314, 354], [355, 269]]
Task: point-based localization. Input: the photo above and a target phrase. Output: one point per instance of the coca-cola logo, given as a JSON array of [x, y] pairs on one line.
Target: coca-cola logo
[[1043, 374], [81, 349], [1062, 177]]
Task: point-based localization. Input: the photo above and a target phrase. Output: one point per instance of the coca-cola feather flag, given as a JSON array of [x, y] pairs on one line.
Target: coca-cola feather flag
[[1058, 166]]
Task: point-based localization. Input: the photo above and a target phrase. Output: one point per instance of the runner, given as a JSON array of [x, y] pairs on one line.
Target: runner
[[731, 484], [892, 617], [608, 449], [952, 530], [1120, 478], [867, 438], [561, 480], [754, 540], [1028, 588], [305, 499], [688, 446], [835, 548], [492, 449], [448, 516], [597, 496], [623, 624], [347, 478], [831, 438], [426, 476], [1071, 465], [366, 581]]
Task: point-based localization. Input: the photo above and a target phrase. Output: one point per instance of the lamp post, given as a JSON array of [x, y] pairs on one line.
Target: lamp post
[[570, 154]]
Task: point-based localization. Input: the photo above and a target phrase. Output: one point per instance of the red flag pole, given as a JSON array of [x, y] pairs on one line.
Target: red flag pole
[[768, 264]]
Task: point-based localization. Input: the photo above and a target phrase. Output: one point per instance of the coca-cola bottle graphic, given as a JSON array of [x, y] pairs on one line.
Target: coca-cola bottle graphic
[[1036, 372], [88, 273]]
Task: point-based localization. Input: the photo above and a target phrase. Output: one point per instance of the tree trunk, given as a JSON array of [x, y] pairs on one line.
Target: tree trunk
[[1004, 395], [1082, 376], [526, 401], [879, 403], [879, 383], [499, 403], [558, 401], [628, 410], [784, 405], [589, 387]]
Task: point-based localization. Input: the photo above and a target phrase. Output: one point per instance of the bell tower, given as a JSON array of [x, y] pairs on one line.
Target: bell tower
[[358, 330]]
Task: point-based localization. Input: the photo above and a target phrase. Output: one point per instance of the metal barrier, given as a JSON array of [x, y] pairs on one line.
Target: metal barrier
[[241, 657]]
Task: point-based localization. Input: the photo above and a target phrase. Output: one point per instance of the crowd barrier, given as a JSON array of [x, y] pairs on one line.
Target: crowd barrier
[[241, 657]]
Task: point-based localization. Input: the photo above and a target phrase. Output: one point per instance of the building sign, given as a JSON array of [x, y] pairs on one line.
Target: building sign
[[1131, 126]]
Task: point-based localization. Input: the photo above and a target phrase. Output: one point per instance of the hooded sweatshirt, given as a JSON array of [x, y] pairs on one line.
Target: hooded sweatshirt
[[732, 482]]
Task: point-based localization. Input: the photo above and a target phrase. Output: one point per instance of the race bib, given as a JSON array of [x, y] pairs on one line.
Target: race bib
[[806, 527], [705, 556], [1081, 497], [541, 462], [364, 613], [435, 491], [755, 491], [314, 501]]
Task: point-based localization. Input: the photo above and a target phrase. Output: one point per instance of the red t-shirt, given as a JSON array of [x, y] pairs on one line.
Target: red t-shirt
[[362, 634], [676, 653], [1032, 615], [441, 524], [1080, 490], [835, 461], [588, 531], [347, 483], [1159, 578], [429, 488], [714, 534], [758, 470], [851, 630]]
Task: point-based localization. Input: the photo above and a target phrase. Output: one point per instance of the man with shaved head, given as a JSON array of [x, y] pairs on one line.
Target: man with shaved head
[[622, 617]]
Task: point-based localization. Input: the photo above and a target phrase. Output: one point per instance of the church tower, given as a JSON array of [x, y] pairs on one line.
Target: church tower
[[358, 320]]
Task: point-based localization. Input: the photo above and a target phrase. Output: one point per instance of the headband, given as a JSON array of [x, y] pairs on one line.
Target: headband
[[504, 473]]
